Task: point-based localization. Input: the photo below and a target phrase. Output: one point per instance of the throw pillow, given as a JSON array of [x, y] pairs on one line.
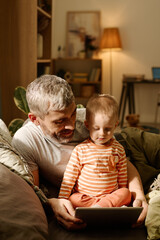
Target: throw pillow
[[153, 216], [21, 213]]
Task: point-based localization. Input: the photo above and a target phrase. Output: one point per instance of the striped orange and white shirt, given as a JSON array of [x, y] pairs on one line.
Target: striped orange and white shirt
[[95, 170]]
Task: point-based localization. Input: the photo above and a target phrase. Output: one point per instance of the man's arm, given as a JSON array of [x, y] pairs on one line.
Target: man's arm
[[136, 188], [62, 209]]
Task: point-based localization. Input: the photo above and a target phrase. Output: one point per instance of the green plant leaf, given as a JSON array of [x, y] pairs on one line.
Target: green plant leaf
[[14, 125], [80, 106], [20, 99]]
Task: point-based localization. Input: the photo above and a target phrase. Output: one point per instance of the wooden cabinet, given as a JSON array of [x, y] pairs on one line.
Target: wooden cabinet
[[84, 76], [18, 51], [20, 21]]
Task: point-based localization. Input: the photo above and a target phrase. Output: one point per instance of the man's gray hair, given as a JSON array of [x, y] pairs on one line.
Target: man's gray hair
[[48, 93]]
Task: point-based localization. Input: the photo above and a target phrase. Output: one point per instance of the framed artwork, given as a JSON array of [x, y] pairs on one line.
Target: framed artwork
[[83, 32]]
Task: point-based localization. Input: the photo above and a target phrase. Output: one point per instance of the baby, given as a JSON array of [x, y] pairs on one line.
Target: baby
[[96, 174]]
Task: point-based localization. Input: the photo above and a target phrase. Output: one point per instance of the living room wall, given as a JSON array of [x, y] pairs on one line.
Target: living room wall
[[138, 23]]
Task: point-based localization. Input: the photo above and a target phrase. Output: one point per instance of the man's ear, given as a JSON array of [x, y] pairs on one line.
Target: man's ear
[[33, 118], [86, 123]]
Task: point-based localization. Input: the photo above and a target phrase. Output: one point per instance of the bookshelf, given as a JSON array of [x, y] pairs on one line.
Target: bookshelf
[[44, 31], [78, 73]]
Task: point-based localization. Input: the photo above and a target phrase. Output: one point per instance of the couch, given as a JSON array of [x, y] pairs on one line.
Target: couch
[[24, 213]]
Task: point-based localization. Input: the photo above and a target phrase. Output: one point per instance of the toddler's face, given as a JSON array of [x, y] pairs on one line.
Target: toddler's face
[[101, 128]]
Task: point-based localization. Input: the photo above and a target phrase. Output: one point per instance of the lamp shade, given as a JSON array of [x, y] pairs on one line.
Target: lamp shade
[[111, 39]]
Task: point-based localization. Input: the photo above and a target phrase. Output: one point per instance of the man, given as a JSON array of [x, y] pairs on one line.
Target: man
[[47, 140]]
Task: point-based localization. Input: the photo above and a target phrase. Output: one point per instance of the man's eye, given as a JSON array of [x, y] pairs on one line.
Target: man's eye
[[59, 122]]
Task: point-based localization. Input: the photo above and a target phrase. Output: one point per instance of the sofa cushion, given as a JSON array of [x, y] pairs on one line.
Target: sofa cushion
[[21, 213], [144, 152], [57, 232]]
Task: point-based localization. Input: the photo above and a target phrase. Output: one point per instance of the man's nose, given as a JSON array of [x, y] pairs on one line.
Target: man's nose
[[70, 124]]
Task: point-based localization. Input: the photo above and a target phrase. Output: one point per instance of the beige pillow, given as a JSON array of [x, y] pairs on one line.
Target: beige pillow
[[4, 131], [10, 157], [153, 216]]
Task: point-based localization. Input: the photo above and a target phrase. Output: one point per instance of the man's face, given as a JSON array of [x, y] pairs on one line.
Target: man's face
[[59, 124]]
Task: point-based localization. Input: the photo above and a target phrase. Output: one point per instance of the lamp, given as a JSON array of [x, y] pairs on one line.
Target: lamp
[[111, 40]]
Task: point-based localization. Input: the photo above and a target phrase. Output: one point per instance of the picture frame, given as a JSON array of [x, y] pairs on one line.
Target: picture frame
[[83, 33]]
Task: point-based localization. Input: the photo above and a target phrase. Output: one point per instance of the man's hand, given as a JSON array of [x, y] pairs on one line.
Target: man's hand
[[136, 188], [64, 213], [141, 219]]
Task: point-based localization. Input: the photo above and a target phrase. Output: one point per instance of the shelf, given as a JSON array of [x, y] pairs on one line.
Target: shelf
[[78, 59], [41, 11], [80, 69], [43, 60], [76, 65], [81, 82], [44, 34]]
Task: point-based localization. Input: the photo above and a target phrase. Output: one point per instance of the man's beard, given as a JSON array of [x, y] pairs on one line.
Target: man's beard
[[59, 136], [62, 139]]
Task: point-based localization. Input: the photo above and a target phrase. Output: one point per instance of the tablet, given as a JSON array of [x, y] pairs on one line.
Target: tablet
[[115, 216]]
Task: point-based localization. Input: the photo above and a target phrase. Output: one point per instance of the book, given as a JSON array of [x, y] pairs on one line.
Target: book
[[80, 77], [97, 74], [76, 79], [92, 75], [47, 70], [39, 46]]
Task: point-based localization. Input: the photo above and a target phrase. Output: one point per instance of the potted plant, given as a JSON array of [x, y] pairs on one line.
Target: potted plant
[[21, 103], [89, 46]]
